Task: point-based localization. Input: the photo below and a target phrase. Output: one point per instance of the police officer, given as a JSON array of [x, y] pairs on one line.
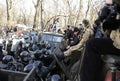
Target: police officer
[[25, 57], [37, 55], [9, 46], [97, 29]]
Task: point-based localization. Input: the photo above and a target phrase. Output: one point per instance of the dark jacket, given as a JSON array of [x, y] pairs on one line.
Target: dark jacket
[[75, 40]]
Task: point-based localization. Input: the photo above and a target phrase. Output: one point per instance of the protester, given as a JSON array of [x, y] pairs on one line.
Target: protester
[[92, 62], [97, 29], [87, 35]]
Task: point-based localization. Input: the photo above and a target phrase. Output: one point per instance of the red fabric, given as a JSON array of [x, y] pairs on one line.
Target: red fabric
[[19, 32]]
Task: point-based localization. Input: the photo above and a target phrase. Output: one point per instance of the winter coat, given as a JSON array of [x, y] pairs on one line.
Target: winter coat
[[115, 36], [87, 35]]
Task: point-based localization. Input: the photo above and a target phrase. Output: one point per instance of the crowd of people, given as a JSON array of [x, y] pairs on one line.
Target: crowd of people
[[90, 37], [20, 53], [99, 43], [75, 37]]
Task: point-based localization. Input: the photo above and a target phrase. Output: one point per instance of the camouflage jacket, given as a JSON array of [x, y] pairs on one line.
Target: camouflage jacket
[[115, 36], [88, 34]]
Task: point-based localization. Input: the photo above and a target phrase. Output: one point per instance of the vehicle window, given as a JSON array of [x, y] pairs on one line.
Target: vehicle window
[[46, 37], [57, 38], [52, 38]]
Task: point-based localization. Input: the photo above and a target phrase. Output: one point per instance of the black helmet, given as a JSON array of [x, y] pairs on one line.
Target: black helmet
[[44, 51], [26, 37], [6, 59], [42, 44], [37, 53], [55, 77], [38, 64], [28, 68], [25, 56]]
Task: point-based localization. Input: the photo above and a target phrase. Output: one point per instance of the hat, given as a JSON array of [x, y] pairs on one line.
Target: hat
[[76, 29], [85, 21]]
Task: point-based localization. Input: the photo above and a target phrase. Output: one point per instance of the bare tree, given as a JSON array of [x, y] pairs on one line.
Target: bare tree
[[88, 7], [2, 15], [79, 11], [9, 8], [70, 13], [38, 10], [74, 12]]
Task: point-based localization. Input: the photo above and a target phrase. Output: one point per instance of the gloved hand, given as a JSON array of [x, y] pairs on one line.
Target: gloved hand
[[68, 52]]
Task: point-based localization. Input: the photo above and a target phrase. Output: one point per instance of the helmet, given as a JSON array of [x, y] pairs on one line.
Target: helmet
[[26, 37], [44, 51], [37, 53], [38, 64], [25, 46], [6, 59], [55, 77], [28, 68], [42, 44], [25, 56]]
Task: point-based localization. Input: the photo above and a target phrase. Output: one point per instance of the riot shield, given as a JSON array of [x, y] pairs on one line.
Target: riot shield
[[8, 75]]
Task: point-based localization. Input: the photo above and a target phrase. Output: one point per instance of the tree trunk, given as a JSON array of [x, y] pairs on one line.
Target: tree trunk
[[8, 13], [36, 17], [70, 14], [88, 7], [79, 11], [41, 19]]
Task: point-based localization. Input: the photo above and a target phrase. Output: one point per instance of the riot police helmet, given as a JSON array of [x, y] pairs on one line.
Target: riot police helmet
[[42, 44], [38, 64], [37, 53], [6, 59], [28, 68], [25, 56], [44, 51], [55, 77], [26, 37]]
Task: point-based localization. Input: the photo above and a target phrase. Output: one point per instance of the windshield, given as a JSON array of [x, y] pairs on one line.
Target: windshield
[[51, 38]]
